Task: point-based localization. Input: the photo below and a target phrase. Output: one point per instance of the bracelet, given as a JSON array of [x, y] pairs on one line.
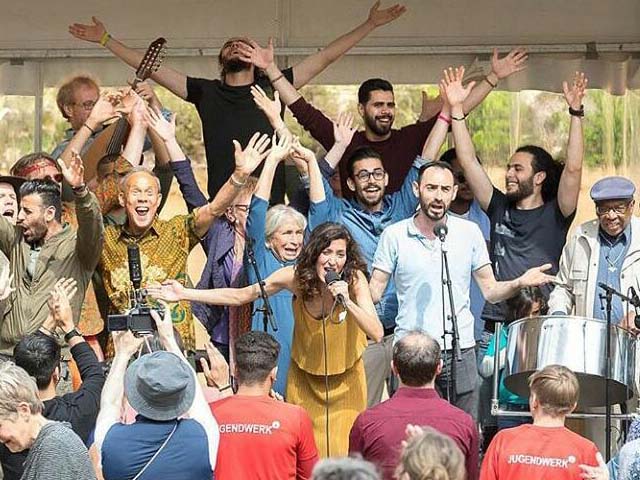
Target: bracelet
[[486, 79], [445, 119], [236, 183], [104, 39], [89, 128], [227, 387], [577, 113], [459, 119], [277, 78]]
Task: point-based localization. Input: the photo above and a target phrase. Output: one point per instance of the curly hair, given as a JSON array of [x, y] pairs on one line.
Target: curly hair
[[306, 276], [431, 456]]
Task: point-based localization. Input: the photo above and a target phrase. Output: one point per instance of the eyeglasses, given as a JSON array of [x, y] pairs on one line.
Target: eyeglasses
[[365, 175], [619, 209], [88, 105]]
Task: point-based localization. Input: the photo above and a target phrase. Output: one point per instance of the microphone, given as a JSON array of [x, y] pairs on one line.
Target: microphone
[[440, 230], [330, 278], [135, 268]]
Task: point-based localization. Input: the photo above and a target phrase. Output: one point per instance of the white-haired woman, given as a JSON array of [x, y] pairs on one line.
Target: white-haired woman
[[55, 451]]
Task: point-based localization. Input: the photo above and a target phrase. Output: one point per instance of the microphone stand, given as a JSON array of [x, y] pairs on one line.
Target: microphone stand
[[267, 314], [608, 298], [455, 335]]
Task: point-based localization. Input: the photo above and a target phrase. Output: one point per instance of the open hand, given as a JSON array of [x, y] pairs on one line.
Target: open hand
[[575, 94], [247, 160], [90, 33], [166, 130], [216, 370], [451, 86], [169, 291], [74, 173], [378, 17], [280, 149], [343, 129], [256, 55], [271, 108], [514, 61]]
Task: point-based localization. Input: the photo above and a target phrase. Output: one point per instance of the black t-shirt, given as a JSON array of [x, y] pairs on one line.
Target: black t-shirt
[[229, 113], [523, 239]]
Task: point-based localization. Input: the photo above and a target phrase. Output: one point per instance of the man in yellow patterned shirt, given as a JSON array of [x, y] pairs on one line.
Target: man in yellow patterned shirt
[[165, 244]]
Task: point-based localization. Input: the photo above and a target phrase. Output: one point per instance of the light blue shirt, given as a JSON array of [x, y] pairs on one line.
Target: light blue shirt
[[366, 227], [477, 216], [612, 254], [415, 264]]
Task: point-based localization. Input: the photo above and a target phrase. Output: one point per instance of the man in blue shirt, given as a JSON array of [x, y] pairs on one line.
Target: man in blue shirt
[[410, 253], [367, 215]]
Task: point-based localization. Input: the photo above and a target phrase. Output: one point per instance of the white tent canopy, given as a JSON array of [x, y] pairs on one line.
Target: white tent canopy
[[602, 38]]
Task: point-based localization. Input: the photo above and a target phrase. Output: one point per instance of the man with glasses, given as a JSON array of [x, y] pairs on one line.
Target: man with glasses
[[366, 215], [604, 250]]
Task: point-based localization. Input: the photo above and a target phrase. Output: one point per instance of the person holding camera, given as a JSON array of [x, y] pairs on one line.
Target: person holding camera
[[164, 245], [175, 435], [39, 355]]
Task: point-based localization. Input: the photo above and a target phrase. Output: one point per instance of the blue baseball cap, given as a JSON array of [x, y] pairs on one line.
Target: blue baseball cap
[[612, 188]]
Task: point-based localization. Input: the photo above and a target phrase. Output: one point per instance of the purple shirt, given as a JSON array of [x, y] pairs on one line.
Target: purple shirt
[[378, 432]]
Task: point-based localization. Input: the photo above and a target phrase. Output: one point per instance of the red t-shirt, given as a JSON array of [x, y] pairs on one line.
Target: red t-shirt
[[262, 438], [531, 451]]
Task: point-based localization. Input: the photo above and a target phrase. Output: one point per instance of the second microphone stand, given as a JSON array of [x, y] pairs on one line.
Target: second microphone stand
[[455, 335], [267, 314]]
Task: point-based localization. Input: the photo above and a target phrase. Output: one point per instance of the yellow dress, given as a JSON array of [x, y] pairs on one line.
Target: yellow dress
[[345, 368]]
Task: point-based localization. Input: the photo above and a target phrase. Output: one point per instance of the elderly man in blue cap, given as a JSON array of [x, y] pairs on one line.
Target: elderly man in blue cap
[[605, 250]]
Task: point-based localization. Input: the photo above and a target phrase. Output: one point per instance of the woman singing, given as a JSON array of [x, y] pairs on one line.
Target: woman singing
[[326, 375]]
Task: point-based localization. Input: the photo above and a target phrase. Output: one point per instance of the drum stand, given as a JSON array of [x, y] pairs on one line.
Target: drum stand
[[495, 404]]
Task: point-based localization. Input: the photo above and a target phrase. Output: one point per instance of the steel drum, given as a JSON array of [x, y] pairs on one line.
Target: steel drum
[[577, 343]]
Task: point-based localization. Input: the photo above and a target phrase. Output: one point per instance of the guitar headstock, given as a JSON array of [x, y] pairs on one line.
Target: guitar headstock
[[152, 59]]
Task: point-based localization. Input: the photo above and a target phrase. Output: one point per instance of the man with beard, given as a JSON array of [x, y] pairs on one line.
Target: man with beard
[[529, 223], [377, 107], [42, 249], [409, 252], [226, 106], [366, 215]]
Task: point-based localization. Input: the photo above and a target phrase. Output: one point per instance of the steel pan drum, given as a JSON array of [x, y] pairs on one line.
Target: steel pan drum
[[577, 343]]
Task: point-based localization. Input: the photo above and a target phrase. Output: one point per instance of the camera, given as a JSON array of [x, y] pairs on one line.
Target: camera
[[138, 318]]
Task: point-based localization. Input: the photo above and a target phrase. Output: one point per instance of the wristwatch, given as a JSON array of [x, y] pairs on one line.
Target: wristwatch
[[71, 333]]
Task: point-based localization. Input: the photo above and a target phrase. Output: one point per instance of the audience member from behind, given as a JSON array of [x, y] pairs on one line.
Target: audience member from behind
[[429, 455], [345, 469], [174, 435], [378, 433], [39, 355], [546, 449], [55, 451], [261, 437]]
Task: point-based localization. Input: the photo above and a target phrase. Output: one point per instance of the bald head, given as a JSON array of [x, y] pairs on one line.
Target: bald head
[[416, 358]]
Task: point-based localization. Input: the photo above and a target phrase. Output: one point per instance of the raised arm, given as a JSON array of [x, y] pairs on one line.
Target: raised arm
[[247, 161], [174, 291], [102, 111], [477, 178], [343, 131], [438, 133], [302, 155], [314, 64], [90, 236], [501, 68], [280, 150], [111, 401], [135, 143], [96, 32], [569, 187], [199, 410], [271, 108], [494, 291]]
